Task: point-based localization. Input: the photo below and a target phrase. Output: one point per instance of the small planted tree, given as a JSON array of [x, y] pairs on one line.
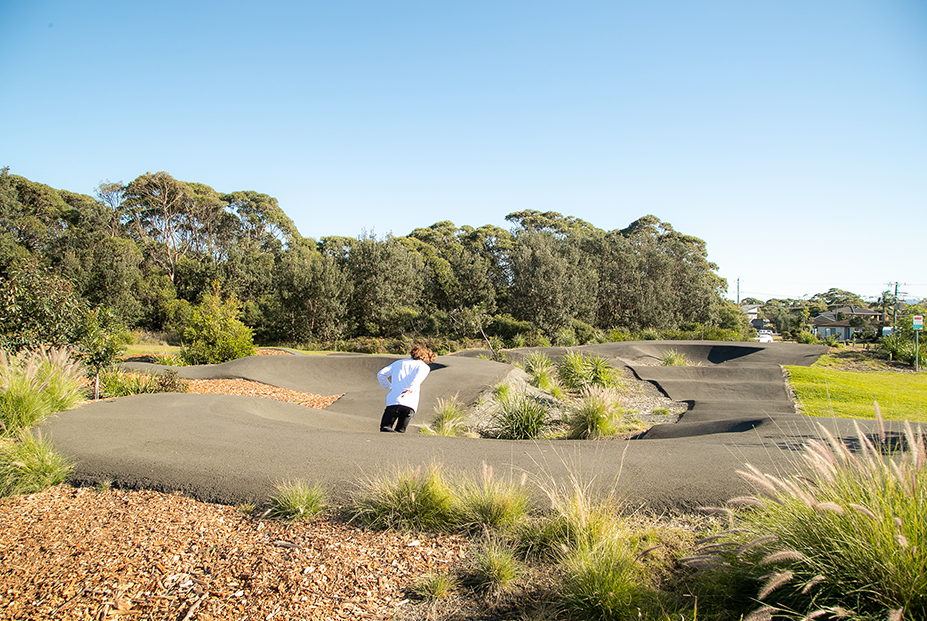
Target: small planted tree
[[214, 333], [100, 342]]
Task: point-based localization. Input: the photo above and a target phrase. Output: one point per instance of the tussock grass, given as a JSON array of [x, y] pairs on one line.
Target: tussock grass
[[598, 413], [450, 419], [417, 499], [495, 568], [674, 358], [35, 384], [606, 581], [518, 416], [826, 392], [434, 586], [492, 504], [29, 464], [298, 500]]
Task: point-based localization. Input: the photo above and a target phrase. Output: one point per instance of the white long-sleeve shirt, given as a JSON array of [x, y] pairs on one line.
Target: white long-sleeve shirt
[[403, 380]]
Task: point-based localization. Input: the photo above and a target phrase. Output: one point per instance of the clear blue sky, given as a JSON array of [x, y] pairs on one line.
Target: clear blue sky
[[791, 136]]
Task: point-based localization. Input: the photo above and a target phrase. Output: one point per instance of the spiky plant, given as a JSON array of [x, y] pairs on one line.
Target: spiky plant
[[577, 371]]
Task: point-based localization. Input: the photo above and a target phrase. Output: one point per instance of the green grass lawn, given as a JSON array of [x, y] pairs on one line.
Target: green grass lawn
[[823, 391]]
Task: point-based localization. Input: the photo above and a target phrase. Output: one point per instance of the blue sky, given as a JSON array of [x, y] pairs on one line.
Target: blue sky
[[791, 136]]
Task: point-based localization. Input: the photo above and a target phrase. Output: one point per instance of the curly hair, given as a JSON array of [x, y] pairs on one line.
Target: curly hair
[[422, 353]]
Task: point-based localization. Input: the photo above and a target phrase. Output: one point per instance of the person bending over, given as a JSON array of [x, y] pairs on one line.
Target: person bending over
[[403, 379]]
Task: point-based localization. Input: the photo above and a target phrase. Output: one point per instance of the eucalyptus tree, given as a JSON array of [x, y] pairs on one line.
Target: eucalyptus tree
[[387, 283], [161, 208], [552, 283], [312, 296], [32, 215]]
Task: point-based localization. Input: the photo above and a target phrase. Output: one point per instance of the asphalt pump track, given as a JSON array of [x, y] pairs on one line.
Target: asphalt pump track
[[233, 449]]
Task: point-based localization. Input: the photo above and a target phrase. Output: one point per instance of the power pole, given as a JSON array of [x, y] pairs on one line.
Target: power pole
[[895, 304], [738, 292]]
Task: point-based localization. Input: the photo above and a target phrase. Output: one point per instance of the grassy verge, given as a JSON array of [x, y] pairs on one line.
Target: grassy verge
[[823, 391]]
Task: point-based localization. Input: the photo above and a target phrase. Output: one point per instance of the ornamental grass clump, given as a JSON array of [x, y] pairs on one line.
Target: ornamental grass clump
[[434, 586], [674, 358], [28, 464], [450, 419], [848, 534], [607, 581], [494, 568], [598, 413], [36, 383], [298, 501], [518, 416], [577, 371], [492, 504], [418, 500], [123, 384]]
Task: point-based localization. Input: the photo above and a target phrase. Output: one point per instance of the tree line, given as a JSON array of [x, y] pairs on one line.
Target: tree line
[[149, 251]]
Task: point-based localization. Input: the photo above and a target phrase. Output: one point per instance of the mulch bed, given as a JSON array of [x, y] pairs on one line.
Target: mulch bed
[[80, 553]]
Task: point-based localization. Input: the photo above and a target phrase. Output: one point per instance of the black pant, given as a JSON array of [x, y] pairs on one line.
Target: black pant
[[400, 415]]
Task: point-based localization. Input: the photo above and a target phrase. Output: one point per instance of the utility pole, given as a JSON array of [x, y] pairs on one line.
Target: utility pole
[[738, 292], [895, 304]]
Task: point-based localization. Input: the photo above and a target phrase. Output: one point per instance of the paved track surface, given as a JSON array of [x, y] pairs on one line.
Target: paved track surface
[[233, 449]]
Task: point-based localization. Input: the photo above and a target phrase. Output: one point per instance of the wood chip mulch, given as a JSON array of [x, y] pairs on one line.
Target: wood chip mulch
[[81, 553], [249, 388]]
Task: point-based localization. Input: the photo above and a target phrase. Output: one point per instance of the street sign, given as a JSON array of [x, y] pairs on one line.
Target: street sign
[[917, 322]]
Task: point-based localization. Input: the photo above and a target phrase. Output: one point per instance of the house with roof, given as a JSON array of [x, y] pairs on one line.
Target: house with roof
[[846, 322], [753, 315]]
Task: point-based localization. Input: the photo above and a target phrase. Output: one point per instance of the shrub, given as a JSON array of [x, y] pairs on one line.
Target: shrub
[[124, 384], [847, 533], [415, 500], [37, 307], [35, 384], [519, 417], [101, 339], [28, 464], [450, 419], [298, 501], [805, 338], [214, 334]]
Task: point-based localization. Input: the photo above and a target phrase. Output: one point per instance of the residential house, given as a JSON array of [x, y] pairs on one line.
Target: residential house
[[846, 322]]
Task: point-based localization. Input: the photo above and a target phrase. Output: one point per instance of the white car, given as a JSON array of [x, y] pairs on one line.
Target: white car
[[764, 336]]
